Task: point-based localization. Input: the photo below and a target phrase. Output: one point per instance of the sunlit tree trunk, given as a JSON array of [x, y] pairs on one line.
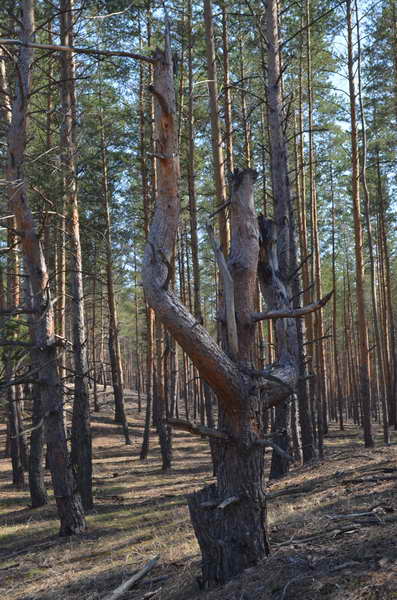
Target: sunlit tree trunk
[[365, 397], [81, 452]]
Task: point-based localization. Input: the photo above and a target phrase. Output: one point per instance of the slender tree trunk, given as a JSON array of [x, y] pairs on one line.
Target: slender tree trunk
[[13, 397], [191, 177], [114, 342], [358, 239], [227, 91], [216, 142], [93, 335], [367, 209], [81, 452], [159, 402], [318, 320], [383, 235], [334, 314], [149, 381]]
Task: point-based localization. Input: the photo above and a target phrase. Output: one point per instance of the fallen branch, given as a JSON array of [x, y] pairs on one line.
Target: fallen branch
[[315, 536], [351, 516], [293, 313], [292, 491], [124, 587], [196, 429]]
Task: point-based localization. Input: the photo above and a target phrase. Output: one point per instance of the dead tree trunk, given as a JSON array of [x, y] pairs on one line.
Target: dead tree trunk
[[281, 254], [68, 501], [228, 517]]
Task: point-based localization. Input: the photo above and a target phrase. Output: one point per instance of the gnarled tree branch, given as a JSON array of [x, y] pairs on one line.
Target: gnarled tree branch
[[293, 313], [197, 429]]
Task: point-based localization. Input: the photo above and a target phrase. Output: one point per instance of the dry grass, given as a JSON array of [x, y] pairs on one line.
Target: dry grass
[[140, 511]]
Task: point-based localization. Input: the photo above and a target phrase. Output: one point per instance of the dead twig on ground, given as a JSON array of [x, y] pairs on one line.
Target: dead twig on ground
[[124, 587]]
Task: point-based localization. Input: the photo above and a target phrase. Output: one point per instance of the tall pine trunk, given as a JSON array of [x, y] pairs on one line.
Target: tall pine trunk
[[81, 452], [363, 355]]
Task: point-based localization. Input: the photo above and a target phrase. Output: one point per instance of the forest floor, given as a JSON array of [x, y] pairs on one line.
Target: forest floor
[[321, 548]]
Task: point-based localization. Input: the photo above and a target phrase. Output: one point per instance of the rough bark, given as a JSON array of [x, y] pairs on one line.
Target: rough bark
[[210, 360], [38, 492]]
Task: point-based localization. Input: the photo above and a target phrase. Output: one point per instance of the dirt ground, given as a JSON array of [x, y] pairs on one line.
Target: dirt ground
[[333, 526]]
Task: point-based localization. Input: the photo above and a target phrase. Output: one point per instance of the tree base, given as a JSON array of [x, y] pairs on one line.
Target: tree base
[[232, 538], [71, 516]]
